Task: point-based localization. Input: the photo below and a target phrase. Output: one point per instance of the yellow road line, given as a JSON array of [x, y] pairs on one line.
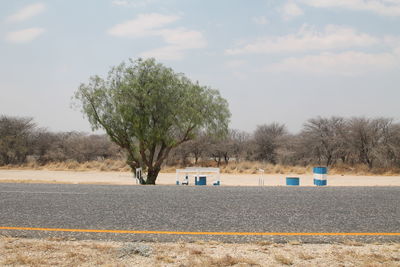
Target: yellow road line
[[193, 233]]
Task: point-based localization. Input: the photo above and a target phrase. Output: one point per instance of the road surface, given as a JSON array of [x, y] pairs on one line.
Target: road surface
[[265, 210]]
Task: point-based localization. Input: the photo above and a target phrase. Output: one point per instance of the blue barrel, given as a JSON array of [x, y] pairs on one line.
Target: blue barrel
[[320, 182], [201, 181], [320, 170], [320, 176], [292, 181]]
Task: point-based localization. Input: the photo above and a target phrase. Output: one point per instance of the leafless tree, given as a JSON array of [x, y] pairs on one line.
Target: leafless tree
[[369, 137], [267, 139], [239, 141], [15, 139], [325, 139]]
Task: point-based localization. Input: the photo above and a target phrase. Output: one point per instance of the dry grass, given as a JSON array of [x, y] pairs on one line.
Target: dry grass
[[64, 252], [294, 242], [30, 181], [20, 259], [264, 243], [305, 256], [101, 165], [244, 167], [165, 259], [283, 260], [226, 260], [194, 251], [349, 242]]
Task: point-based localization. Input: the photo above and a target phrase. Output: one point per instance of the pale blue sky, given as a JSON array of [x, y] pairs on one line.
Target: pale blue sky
[[284, 61]]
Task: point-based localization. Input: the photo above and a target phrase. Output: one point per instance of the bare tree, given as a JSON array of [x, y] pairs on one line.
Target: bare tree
[[267, 139], [368, 138], [324, 139], [239, 144], [15, 139], [199, 146], [392, 144]]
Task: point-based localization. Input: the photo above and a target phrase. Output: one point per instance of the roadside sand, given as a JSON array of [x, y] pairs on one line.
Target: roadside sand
[[126, 178], [60, 252]]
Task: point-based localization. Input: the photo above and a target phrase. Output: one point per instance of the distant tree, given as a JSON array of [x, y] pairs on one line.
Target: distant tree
[[147, 109], [219, 149], [15, 139], [44, 143], [324, 139], [369, 137], [267, 139], [198, 147], [392, 146], [291, 151], [239, 142]]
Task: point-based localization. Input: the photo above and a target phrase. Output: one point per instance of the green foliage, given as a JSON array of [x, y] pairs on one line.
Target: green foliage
[[148, 109]]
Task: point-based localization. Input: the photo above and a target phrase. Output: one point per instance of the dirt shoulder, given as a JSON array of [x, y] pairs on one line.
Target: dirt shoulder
[[126, 178], [60, 252]]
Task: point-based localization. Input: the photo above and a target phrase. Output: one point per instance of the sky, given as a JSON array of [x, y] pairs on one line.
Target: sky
[[280, 61]]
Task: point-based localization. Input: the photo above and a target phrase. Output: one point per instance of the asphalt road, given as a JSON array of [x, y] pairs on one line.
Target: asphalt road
[[201, 209]]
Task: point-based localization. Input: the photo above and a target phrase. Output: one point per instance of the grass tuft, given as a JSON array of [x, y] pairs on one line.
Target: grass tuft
[[283, 260], [305, 256]]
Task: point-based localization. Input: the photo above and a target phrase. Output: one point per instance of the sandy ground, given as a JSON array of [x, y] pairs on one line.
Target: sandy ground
[[126, 178], [60, 252]]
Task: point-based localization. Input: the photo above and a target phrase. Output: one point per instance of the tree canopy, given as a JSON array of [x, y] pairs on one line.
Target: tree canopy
[[147, 109]]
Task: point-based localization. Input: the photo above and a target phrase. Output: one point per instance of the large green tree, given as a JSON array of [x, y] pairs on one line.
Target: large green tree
[[148, 109]]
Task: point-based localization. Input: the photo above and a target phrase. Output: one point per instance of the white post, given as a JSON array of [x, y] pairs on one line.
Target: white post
[[261, 179], [138, 174]]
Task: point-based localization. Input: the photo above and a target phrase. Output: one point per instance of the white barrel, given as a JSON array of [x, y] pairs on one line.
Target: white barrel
[[320, 176]]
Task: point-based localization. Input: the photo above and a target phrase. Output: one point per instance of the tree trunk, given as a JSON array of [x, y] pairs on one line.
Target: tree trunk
[[152, 175]]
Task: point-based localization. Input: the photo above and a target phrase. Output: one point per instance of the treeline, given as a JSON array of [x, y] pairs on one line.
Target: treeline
[[21, 140], [374, 143]]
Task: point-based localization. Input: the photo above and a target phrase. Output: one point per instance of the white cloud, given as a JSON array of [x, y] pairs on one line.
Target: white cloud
[[143, 25], [262, 20], [120, 3], [382, 7], [132, 3], [183, 38], [349, 63], [291, 10], [307, 39], [26, 13], [177, 39], [24, 36]]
